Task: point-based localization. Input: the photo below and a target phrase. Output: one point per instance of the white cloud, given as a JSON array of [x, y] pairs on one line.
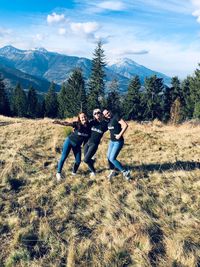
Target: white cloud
[[176, 6], [55, 18], [105, 39], [196, 13], [131, 52], [86, 28], [62, 31], [196, 3], [112, 5], [5, 32], [39, 37]]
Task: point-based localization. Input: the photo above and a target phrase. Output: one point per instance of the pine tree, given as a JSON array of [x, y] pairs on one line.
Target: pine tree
[[40, 108], [195, 93], [188, 105], [96, 82], [83, 96], [132, 106], [176, 89], [51, 103], [154, 90], [166, 104], [113, 98], [72, 97], [62, 102], [19, 102], [4, 103], [77, 84], [32, 102]]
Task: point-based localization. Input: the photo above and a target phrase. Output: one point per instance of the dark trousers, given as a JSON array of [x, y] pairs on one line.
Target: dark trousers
[[67, 147], [89, 151]]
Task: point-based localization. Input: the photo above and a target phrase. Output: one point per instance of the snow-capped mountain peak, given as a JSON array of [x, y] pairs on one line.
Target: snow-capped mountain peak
[[40, 49], [6, 50], [123, 62]]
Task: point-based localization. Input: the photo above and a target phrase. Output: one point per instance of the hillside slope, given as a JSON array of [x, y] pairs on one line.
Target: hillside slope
[[13, 76], [153, 220], [57, 67]]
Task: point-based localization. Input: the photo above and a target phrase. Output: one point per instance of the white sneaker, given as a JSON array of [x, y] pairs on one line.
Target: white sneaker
[[58, 177], [126, 174], [92, 174], [73, 173], [111, 174]]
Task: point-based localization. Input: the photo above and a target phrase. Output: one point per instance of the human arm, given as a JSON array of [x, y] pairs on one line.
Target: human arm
[[64, 123], [124, 127]]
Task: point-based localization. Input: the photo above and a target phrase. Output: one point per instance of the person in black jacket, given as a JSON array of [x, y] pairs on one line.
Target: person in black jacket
[[98, 128], [117, 127], [73, 142]]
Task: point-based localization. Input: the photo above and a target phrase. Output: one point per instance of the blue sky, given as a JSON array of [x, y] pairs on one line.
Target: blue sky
[[161, 35]]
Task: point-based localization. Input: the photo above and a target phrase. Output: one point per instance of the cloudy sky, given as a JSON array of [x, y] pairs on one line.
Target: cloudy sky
[[161, 35]]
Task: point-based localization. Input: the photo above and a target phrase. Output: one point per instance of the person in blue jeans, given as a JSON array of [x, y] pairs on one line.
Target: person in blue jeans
[[73, 142], [117, 127]]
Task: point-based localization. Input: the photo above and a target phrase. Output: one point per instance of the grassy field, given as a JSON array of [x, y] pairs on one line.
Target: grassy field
[[153, 220]]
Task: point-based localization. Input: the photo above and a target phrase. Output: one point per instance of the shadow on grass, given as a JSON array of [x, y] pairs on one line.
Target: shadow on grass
[[16, 184], [156, 239], [5, 123], [168, 166]]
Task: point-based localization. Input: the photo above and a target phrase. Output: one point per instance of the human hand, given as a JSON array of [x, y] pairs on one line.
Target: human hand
[[117, 136]]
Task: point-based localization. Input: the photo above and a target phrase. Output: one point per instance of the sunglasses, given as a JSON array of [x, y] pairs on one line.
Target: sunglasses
[[97, 113]]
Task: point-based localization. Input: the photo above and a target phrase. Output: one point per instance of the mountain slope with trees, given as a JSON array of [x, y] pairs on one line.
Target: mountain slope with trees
[[153, 100], [13, 76], [58, 68]]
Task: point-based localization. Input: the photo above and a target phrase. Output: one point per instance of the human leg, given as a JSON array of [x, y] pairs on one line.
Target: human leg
[[77, 155], [65, 152], [110, 147], [116, 147], [89, 152]]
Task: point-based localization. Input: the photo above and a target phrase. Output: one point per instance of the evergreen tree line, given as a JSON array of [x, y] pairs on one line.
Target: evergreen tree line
[[153, 100]]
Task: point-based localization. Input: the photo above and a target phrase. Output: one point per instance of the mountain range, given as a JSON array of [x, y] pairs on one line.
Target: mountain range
[[40, 67]]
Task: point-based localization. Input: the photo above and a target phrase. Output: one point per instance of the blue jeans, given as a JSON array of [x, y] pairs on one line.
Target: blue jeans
[[113, 151], [67, 146]]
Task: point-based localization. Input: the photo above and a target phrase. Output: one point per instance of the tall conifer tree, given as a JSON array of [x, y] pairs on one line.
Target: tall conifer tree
[[62, 99], [113, 99], [4, 103], [166, 104], [188, 106], [176, 89], [19, 102], [154, 90], [132, 105], [96, 82], [195, 92], [51, 102], [72, 97], [32, 102]]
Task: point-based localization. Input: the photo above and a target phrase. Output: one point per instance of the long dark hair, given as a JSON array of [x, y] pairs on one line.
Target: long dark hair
[[79, 121]]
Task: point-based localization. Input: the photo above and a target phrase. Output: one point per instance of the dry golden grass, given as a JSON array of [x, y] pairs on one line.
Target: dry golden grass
[[153, 220]]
